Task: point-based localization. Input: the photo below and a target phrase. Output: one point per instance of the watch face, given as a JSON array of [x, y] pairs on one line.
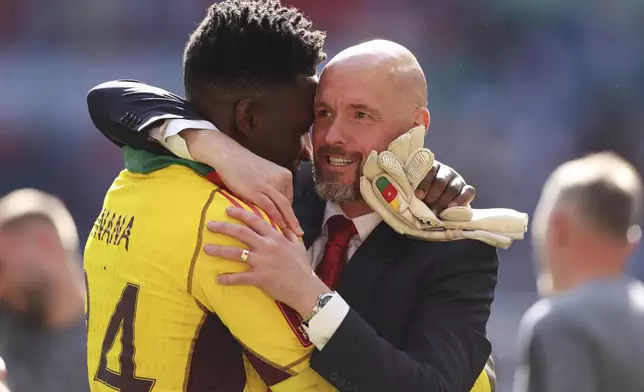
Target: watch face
[[324, 300]]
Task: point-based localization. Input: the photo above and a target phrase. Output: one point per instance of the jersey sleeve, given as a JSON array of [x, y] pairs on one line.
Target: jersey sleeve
[[275, 343]]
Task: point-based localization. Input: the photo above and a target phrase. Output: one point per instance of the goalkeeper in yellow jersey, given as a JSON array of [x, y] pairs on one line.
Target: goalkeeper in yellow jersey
[[157, 318]]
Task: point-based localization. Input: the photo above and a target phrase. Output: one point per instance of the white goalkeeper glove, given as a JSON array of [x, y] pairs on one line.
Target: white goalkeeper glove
[[388, 184]]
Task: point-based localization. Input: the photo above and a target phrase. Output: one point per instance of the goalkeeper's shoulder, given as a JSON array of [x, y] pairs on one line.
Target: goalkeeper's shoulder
[[185, 187], [189, 194], [205, 268], [181, 192], [224, 199]]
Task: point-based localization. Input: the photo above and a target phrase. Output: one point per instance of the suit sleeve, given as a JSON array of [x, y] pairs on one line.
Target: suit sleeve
[[124, 111], [557, 357], [446, 346], [276, 349]]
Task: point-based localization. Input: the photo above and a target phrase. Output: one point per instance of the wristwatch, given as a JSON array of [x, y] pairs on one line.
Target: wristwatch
[[323, 299]]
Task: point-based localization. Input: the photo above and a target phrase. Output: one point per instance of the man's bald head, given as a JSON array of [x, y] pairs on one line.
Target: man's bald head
[[388, 63], [368, 95]]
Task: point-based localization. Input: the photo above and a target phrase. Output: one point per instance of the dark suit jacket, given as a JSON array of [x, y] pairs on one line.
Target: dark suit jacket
[[418, 309]]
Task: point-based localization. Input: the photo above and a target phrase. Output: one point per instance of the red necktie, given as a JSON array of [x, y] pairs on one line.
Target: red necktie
[[340, 230]]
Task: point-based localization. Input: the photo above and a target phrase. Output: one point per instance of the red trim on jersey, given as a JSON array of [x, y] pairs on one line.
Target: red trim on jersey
[[295, 322], [231, 200], [214, 177], [272, 222], [269, 373], [292, 317], [254, 208]]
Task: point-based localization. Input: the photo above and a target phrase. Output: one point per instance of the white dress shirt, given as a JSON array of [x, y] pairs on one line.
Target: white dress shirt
[[324, 324], [364, 225]]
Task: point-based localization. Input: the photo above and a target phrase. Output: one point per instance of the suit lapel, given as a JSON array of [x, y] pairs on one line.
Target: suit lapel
[[310, 214], [308, 206], [361, 273]]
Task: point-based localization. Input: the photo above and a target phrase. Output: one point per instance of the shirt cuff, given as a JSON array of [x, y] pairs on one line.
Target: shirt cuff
[[173, 127], [167, 134], [324, 324], [176, 145], [158, 118]]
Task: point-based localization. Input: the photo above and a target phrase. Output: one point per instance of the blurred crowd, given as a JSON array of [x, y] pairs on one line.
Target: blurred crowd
[[515, 89]]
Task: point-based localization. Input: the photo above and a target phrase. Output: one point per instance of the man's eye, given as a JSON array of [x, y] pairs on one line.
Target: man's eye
[[361, 115], [323, 113]]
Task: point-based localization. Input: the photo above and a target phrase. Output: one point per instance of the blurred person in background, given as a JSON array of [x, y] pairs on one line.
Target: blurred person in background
[[42, 328], [3, 386], [588, 333], [3, 376]]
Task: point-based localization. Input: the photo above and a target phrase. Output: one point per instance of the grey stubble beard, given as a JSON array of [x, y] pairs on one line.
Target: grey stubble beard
[[335, 192]]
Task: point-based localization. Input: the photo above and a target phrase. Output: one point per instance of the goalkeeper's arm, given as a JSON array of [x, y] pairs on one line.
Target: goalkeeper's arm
[[273, 346]]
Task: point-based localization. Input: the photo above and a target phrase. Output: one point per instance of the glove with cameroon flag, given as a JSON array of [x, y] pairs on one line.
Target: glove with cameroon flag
[[388, 183]]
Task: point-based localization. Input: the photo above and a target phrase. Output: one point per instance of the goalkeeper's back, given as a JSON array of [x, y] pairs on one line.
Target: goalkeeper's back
[[157, 319]]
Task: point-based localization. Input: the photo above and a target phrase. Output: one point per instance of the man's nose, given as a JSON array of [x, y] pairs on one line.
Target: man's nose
[[335, 134]]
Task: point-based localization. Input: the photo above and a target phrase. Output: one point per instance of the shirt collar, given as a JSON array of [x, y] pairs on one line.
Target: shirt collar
[[364, 223]]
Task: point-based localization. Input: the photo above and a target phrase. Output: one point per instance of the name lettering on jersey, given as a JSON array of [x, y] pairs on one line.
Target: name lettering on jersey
[[113, 228]]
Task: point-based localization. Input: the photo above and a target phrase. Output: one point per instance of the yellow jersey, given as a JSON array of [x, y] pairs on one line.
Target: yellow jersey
[[157, 319]]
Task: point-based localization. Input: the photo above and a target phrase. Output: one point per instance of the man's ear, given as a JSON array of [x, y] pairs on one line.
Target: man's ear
[[246, 116], [422, 117], [559, 228], [44, 239]]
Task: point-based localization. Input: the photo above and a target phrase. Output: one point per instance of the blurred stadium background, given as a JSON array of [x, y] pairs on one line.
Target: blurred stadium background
[[515, 88]]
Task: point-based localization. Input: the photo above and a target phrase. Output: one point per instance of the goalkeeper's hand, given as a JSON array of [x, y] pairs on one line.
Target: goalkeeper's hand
[[443, 187], [388, 184]]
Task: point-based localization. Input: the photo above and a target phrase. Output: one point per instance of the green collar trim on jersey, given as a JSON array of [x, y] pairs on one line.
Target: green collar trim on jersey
[[143, 162]]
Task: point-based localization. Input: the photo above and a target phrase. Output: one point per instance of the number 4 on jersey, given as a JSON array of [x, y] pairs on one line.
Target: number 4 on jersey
[[123, 320]]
